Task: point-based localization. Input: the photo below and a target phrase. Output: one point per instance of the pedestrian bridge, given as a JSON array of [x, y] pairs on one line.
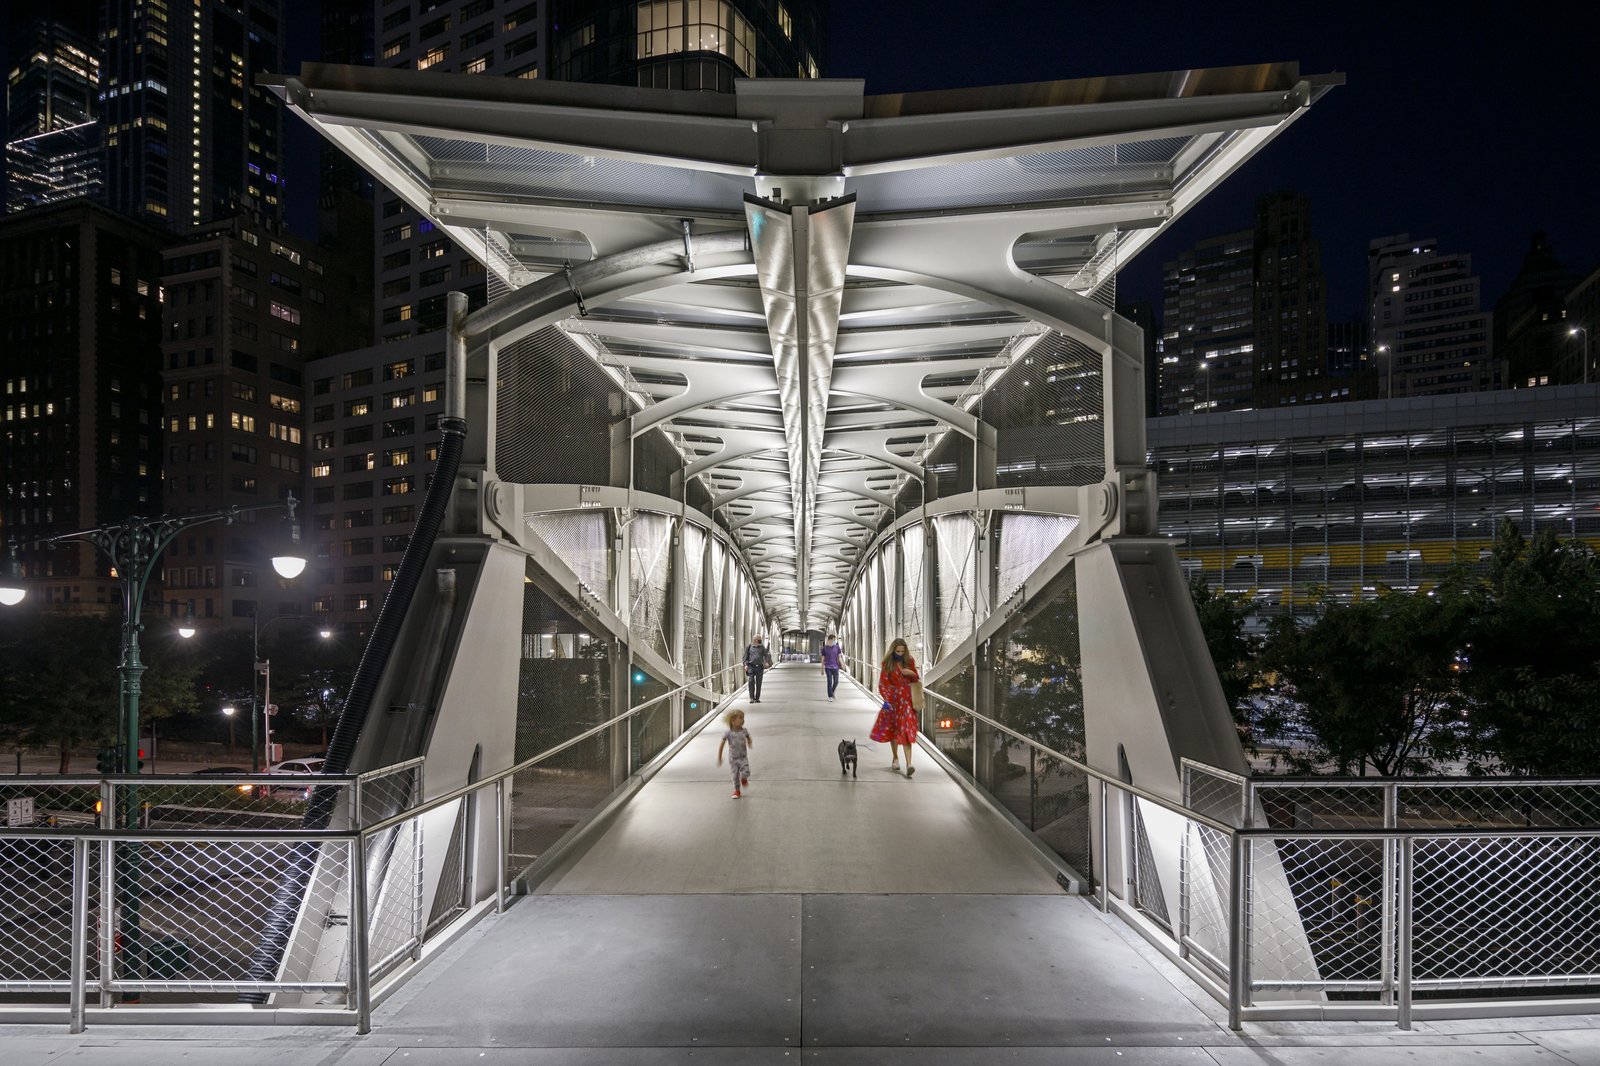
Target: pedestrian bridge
[[791, 361]]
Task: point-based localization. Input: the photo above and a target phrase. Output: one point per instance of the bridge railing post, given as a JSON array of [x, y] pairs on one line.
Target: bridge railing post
[[80, 933], [360, 970]]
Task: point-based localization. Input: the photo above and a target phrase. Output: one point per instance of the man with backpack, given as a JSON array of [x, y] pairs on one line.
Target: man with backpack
[[756, 661]]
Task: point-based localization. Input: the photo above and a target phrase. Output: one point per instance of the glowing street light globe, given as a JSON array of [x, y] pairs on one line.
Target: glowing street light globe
[[289, 566]]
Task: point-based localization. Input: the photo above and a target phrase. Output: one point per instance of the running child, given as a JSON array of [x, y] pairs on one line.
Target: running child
[[738, 743]]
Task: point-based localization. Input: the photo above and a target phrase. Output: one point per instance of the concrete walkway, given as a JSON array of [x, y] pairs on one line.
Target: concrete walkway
[[875, 920]]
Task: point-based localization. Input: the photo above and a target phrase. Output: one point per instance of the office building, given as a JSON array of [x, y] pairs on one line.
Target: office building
[[80, 365], [52, 150], [373, 438], [189, 135], [1208, 326], [1428, 331], [1352, 373], [245, 309], [416, 265], [1291, 306], [685, 44], [1530, 320], [1279, 504]]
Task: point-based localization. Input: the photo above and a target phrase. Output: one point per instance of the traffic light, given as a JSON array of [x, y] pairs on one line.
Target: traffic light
[[138, 766], [105, 760]]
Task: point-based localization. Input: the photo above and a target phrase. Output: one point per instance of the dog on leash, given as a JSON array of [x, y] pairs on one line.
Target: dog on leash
[[847, 758]]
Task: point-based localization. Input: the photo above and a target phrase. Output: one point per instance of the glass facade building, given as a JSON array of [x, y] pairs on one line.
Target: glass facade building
[[685, 44], [1277, 504]]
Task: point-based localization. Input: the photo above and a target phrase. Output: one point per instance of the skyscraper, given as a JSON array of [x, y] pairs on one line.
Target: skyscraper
[[1428, 334], [1291, 306], [52, 107], [685, 44], [189, 136], [80, 368], [245, 308], [1530, 320], [1208, 327]]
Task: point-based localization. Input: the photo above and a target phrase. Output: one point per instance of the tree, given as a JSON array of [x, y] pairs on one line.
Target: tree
[[1223, 619], [1376, 682], [1533, 672]]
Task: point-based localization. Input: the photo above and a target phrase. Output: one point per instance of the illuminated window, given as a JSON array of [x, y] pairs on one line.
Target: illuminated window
[[433, 56], [785, 22], [668, 26], [476, 66]]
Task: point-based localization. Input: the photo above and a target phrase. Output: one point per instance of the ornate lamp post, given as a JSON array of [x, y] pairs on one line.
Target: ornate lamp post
[[134, 546]]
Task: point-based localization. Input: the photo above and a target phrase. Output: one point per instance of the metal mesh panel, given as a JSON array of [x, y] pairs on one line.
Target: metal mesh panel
[[450, 898], [582, 541], [1147, 894], [1507, 805], [891, 622], [1048, 410], [393, 887], [954, 539], [63, 803], [694, 542], [1026, 540], [1333, 903], [35, 923], [651, 565], [912, 547], [203, 906], [387, 792], [216, 802], [1207, 881], [717, 634], [553, 409], [1507, 908]]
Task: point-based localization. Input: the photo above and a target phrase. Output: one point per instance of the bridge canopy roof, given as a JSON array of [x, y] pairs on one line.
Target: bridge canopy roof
[[896, 254]]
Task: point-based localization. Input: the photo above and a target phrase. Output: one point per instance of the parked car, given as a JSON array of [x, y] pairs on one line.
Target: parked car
[[294, 768]]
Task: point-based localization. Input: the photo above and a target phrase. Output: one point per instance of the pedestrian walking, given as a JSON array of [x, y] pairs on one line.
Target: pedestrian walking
[[832, 657], [738, 743], [900, 687], [757, 660]]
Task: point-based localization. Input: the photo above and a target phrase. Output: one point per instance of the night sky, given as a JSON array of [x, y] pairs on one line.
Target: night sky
[[1477, 129]]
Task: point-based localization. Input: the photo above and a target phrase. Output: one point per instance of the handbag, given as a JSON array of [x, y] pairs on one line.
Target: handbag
[[916, 695]]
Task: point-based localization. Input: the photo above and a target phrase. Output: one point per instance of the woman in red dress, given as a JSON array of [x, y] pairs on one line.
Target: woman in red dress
[[897, 721]]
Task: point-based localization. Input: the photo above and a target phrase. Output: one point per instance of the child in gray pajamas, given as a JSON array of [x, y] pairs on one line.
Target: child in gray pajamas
[[738, 744]]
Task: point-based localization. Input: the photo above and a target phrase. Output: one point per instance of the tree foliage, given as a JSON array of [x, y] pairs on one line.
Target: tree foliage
[[59, 683], [1224, 619], [1534, 665]]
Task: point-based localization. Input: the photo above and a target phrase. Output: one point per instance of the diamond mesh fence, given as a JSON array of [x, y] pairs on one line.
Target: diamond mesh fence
[[57, 803], [1026, 540], [912, 546], [694, 541], [36, 921], [581, 540], [651, 566], [955, 538], [189, 913], [1504, 911], [394, 888]]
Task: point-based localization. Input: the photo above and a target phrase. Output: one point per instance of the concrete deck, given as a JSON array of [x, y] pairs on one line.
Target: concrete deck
[[878, 920]]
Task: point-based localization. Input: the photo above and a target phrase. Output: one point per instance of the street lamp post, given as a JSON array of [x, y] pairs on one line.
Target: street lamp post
[[134, 546], [1573, 332], [1384, 349], [262, 706]]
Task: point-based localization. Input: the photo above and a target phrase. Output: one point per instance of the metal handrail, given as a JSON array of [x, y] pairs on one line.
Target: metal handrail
[[504, 775], [1115, 782]]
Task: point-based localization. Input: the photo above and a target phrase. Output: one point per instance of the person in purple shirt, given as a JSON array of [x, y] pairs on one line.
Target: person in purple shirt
[[832, 656]]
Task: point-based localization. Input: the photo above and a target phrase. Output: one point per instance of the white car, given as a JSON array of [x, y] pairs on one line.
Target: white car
[[294, 768]]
